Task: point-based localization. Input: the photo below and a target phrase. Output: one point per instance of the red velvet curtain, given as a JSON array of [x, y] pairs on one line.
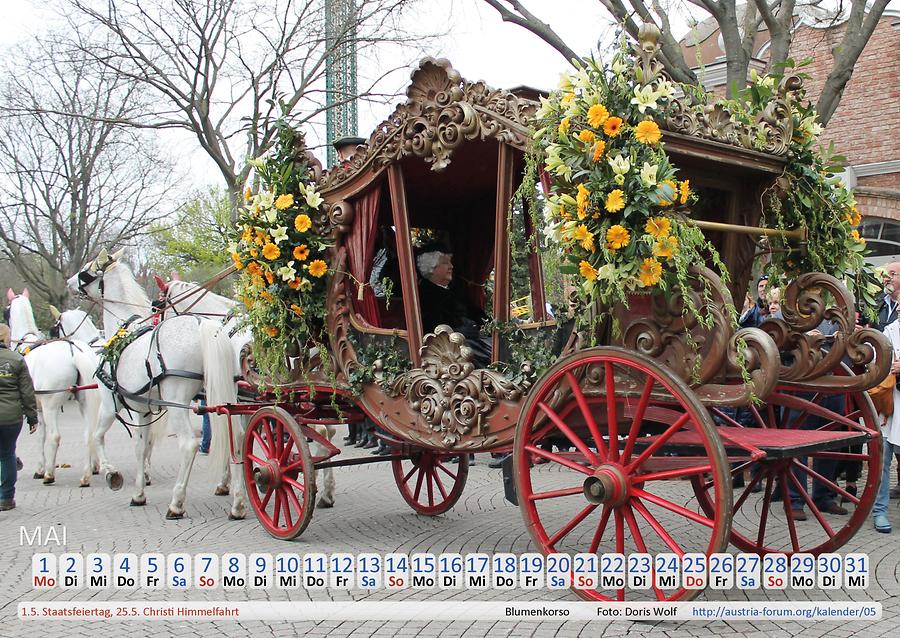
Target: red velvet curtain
[[473, 258], [361, 253]]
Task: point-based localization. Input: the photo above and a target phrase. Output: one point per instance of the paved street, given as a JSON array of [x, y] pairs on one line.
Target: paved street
[[369, 516]]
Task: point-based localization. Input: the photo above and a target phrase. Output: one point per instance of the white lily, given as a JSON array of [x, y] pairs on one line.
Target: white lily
[[545, 109], [645, 98], [266, 199], [619, 164], [648, 174], [618, 66], [565, 81], [279, 234], [271, 215], [287, 273], [313, 198], [665, 89], [256, 163]]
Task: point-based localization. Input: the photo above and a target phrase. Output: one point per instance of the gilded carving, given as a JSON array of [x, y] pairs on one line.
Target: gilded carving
[[441, 112], [448, 392]]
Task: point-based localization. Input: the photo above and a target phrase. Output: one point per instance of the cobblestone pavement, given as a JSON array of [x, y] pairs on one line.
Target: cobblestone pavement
[[369, 516]]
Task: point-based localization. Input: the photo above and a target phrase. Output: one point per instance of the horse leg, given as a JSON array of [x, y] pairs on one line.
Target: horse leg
[[91, 464], [187, 445], [51, 438], [238, 502], [105, 421], [141, 449], [326, 500], [42, 433]]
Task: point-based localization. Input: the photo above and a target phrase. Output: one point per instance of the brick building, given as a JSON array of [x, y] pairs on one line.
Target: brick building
[[864, 127]]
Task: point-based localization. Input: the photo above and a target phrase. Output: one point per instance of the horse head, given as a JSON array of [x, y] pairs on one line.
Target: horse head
[[88, 281]]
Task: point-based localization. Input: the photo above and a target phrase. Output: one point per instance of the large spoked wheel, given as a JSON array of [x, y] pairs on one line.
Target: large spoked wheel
[[278, 473], [634, 428], [429, 482], [762, 520]]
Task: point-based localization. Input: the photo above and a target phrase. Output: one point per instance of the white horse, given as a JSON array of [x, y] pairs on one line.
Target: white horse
[[75, 324], [162, 369], [55, 366], [189, 297]]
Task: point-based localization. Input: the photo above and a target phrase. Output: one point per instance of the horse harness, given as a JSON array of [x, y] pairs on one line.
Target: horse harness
[[108, 377]]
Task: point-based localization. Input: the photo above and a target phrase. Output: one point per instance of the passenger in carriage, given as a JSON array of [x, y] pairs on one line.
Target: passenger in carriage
[[755, 313], [442, 303]]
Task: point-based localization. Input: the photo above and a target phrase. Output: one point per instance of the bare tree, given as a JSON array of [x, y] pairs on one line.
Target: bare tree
[[72, 178], [227, 70], [738, 24]]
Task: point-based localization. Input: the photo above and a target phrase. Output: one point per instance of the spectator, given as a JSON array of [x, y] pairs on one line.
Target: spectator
[[16, 400]]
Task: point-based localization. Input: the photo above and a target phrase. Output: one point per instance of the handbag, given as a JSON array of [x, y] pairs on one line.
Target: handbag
[[882, 395]]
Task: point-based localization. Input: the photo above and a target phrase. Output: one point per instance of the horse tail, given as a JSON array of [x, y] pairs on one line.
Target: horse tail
[[86, 363], [218, 381]]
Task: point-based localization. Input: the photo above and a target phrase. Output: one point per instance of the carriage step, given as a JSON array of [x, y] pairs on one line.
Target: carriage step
[[775, 442]]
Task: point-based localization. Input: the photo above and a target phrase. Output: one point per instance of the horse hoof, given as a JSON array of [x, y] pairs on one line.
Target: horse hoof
[[49, 480], [84, 484], [221, 491], [174, 516], [95, 472], [115, 481], [38, 475], [137, 503], [232, 517], [147, 482], [324, 505]]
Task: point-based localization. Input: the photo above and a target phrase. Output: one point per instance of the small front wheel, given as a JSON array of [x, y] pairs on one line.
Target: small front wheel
[[278, 473], [429, 482]]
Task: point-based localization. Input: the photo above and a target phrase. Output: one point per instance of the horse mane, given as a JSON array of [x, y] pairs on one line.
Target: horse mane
[[131, 289], [21, 318]]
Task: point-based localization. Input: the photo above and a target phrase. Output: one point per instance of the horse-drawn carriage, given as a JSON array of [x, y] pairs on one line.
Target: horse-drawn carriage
[[641, 408]]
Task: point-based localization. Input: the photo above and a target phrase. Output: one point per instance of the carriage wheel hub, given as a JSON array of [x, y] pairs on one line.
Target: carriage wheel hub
[[607, 486], [266, 477]]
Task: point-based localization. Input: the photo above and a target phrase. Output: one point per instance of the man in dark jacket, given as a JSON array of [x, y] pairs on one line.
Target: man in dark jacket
[[16, 400], [887, 310]]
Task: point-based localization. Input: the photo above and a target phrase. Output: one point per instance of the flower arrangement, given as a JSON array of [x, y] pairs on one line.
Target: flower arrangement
[[280, 248], [810, 195], [616, 207]]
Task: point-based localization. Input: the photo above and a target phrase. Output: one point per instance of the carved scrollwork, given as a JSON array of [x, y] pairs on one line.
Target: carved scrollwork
[[341, 214], [441, 112], [448, 392], [810, 359]]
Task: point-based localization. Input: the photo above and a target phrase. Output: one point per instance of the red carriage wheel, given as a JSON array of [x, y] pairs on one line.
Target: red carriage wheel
[[279, 473], [615, 492], [761, 521], [429, 482]]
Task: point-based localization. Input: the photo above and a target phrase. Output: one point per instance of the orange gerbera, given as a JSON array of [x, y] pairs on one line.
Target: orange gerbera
[[295, 284], [261, 237], [271, 251], [581, 198], [650, 273], [237, 261], [267, 296], [685, 190], [613, 126], [253, 268], [297, 310], [272, 331], [587, 271], [658, 227], [270, 277], [564, 126], [247, 235], [853, 217], [599, 147], [586, 136], [301, 252], [856, 237], [248, 193], [615, 201], [284, 201], [597, 115], [318, 268], [665, 247], [647, 132], [617, 237], [302, 223]]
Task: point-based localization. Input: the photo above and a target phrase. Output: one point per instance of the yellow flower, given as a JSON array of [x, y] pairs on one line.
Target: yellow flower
[[685, 189], [318, 268], [284, 201], [599, 147], [597, 115], [853, 217], [267, 296], [297, 310], [294, 285], [650, 273], [674, 187], [261, 237], [585, 236], [271, 251], [270, 277], [613, 126], [665, 247], [658, 227], [248, 193], [302, 223], [272, 331], [253, 268], [587, 271], [617, 237], [647, 132], [247, 235], [254, 252], [582, 200], [301, 252], [615, 201], [568, 97], [564, 214], [564, 126], [855, 235], [236, 258], [586, 136]]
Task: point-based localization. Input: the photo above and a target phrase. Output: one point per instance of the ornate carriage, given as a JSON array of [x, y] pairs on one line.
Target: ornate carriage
[[645, 424]]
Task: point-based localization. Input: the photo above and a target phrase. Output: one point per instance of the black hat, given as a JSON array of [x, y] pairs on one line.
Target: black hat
[[347, 140]]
